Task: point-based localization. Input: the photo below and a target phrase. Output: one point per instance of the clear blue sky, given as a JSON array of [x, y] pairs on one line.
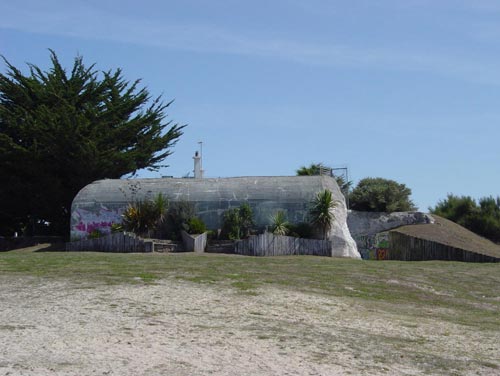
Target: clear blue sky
[[402, 89]]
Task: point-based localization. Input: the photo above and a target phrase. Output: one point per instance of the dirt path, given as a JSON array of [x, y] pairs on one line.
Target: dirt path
[[57, 327]]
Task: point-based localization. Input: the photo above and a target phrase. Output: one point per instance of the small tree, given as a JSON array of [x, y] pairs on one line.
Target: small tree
[[381, 195], [321, 211], [246, 218], [237, 222]]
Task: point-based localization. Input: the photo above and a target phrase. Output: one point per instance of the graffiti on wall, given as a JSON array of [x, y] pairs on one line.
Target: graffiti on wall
[[373, 247], [84, 221]]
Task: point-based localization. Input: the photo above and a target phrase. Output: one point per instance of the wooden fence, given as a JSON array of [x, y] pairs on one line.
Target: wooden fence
[[407, 248], [117, 242], [268, 244]]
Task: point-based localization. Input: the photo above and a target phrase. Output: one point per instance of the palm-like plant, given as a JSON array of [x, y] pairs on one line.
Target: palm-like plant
[[321, 211], [145, 216], [280, 225]]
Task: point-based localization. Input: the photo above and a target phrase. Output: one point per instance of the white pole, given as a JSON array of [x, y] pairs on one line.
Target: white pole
[[201, 158]]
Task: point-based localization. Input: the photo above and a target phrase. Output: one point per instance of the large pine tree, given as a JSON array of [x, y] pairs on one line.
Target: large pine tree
[[61, 130]]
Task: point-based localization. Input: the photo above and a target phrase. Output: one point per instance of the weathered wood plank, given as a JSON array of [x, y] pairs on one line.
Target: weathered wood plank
[[268, 244], [119, 242], [407, 248]]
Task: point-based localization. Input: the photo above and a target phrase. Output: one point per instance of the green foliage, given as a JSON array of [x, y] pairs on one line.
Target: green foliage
[[381, 195], [231, 228], [143, 217], [483, 219], [321, 211], [96, 234], [311, 170], [345, 186], [196, 226], [280, 225], [61, 130], [246, 218], [178, 216], [212, 234], [237, 222], [318, 169], [116, 227], [301, 230], [160, 202]]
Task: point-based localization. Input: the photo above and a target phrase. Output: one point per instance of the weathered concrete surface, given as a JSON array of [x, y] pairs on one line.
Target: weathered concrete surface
[[369, 229], [100, 204], [370, 223]]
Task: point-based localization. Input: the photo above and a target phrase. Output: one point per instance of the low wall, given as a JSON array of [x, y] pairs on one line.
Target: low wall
[[117, 242], [194, 243], [220, 246], [276, 245]]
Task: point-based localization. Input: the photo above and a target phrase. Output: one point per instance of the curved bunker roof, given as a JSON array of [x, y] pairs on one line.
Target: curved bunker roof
[[102, 202], [255, 188]]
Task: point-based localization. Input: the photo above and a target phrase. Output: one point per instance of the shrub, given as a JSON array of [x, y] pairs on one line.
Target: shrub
[[95, 234], [301, 230], [381, 195], [280, 225], [483, 219], [116, 227], [177, 219], [196, 226], [146, 216], [237, 222]]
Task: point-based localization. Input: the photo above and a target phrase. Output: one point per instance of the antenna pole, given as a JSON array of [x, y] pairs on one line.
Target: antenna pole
[[201, 157]]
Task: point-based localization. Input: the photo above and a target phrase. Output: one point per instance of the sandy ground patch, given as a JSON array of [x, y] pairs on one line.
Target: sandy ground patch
[[173, 327]]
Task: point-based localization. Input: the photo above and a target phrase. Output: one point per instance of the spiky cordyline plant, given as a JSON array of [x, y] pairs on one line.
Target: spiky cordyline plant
[[280, 225], [321, 211]]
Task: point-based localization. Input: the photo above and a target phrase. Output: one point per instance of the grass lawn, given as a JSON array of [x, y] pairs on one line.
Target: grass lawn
[[363, 317], [471, 291]]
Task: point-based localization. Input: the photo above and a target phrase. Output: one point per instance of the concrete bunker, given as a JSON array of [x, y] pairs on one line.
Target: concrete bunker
[[100, 204]]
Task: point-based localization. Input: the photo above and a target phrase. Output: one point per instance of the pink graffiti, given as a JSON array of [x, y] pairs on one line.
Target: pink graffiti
[[90, 227]]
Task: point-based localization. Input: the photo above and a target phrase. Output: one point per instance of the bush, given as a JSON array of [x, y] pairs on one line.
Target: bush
[[301, 230], [381, 195], [237, 222], [146, 216], [483, 219], [116, 227], [95, 234], [196, 226], [177, 219]]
